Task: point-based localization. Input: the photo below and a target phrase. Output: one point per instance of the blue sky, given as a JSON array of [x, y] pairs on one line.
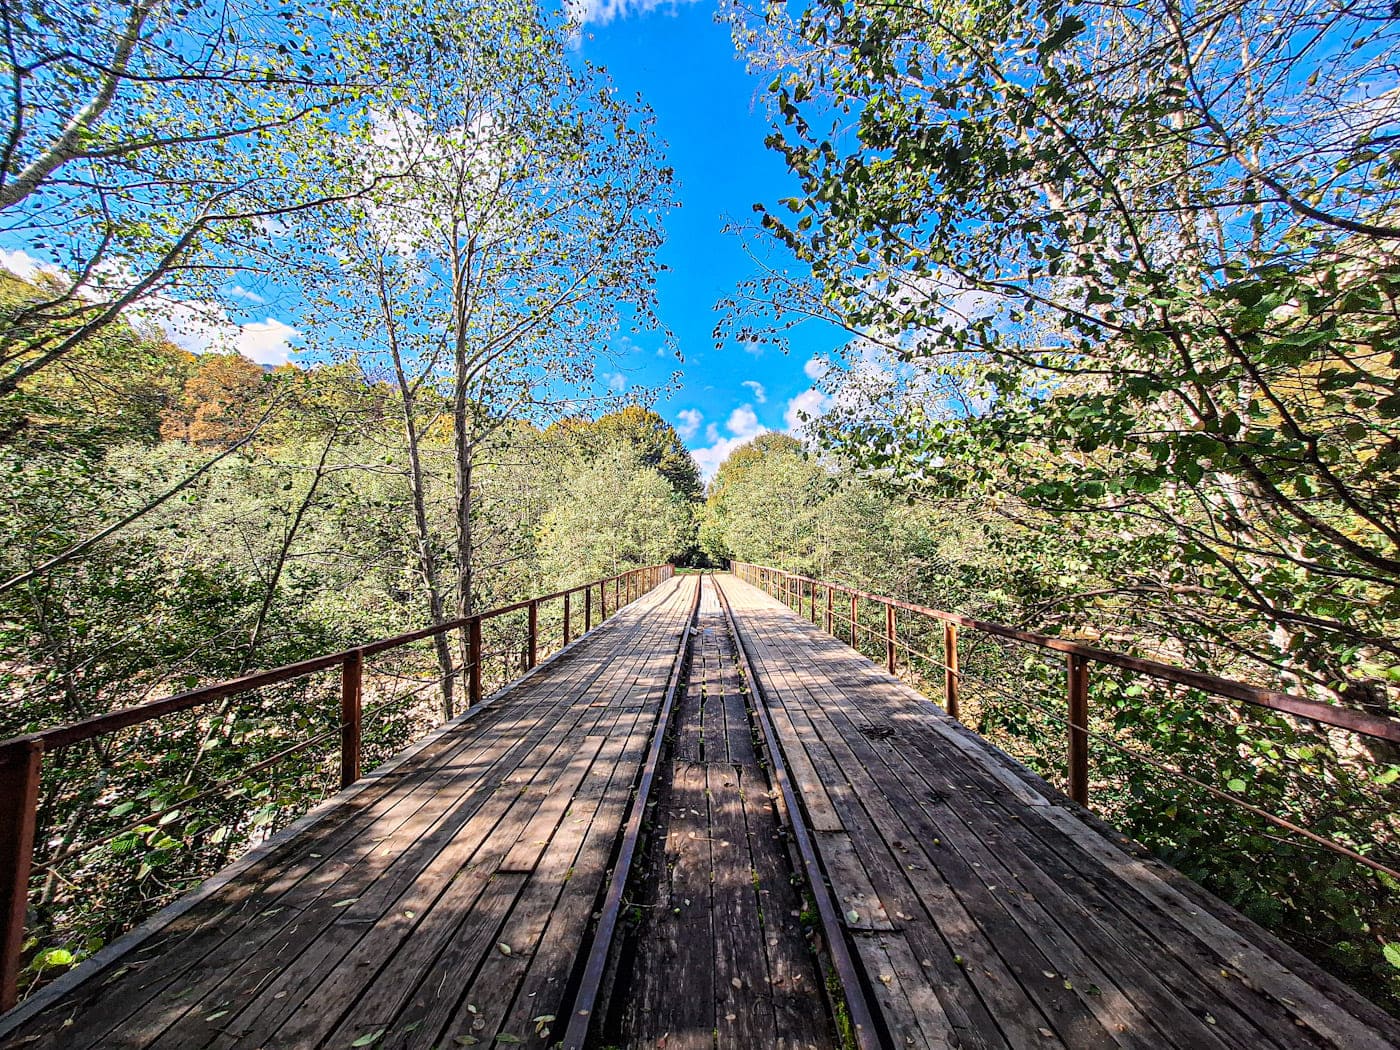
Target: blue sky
[[710, 111]]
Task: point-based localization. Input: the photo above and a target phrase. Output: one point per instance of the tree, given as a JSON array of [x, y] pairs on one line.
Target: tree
[[612, 513], [1127, 273], [220, 403], [1133, 268], [114, 386], [153, 153], [524, 237], [646, 433], [763, 505]]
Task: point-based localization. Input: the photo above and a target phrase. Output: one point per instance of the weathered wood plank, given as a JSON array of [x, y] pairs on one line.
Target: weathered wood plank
[[1128, 959], [721, 956], [323, 925]]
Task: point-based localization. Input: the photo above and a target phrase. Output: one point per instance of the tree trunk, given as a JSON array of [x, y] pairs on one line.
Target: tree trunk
[[427, 560]]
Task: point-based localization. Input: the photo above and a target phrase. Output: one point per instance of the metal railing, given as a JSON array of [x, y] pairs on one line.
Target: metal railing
[[22, 757], [820, 599]]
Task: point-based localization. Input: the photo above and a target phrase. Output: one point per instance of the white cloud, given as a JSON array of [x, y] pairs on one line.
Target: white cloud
[[203, 327], [239, 292], [810, 402], [24, 266], [759, 394], [689, 425], [708, 459], [601, 12], [743, 426], [616, 381], [266, 342], [816, 367], [194, 325], [743, 423]]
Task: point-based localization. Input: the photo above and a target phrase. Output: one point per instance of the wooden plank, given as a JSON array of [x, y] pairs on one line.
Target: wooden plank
[[723, 920], [302, 971], [549, 970], [911, 1012], [436, 893], [1090, 907], [962, 904], [743, 1009], [213, 913], [1215, 1003], [418, 804], [678, 949], [1175, 994]]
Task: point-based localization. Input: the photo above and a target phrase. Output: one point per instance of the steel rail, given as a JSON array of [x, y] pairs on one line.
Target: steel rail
[[848, 976], [581, 1013]]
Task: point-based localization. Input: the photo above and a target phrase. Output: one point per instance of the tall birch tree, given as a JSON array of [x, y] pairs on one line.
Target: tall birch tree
[[504, 264]]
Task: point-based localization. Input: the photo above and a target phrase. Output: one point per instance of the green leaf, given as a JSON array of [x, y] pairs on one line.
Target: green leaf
[[370, 1038], [53, 957], [1392, 954], [1236, 784]]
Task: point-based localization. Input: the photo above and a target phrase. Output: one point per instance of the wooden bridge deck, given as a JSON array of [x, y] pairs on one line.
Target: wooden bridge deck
[[451, 899], [984, 911], [443, 903]]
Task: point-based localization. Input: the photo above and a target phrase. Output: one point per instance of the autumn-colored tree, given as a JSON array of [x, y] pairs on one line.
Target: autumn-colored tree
[[220, 404]]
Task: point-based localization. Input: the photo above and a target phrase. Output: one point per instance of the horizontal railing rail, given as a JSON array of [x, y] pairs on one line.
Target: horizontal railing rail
[[1361, 722], [798, 590], [21, 757]]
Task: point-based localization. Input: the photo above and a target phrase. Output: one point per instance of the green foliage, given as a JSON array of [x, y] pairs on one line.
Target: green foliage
[[610, 514], [1126, 277]]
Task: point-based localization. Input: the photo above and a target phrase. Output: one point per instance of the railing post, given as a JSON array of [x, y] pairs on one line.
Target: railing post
[[855, 616], [20, 764], [812, 588], [889, 638], [567, 611], [1079, 729], [474, 655], [828, 609], [533, 651], [588, 609], [950, 669], [351, 686]]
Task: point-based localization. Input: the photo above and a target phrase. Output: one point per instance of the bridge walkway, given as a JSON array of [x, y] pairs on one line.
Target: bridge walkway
[[631, 846], [985, 909], [441, 902]]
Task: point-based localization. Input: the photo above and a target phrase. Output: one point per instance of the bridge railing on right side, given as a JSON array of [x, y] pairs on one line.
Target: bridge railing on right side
[[1248, 789]]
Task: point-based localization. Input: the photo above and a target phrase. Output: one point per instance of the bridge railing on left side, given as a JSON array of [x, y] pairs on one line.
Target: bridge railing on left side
[[39, 805]]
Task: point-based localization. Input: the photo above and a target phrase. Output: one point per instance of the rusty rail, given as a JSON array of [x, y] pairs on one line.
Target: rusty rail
[[21, 758], [792, 588]]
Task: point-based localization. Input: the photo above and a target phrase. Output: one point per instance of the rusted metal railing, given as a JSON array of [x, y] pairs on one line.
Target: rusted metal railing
[[21, 758], [793, 589]]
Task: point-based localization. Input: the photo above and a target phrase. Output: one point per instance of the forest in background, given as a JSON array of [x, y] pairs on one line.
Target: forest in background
[[1123, 367]]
